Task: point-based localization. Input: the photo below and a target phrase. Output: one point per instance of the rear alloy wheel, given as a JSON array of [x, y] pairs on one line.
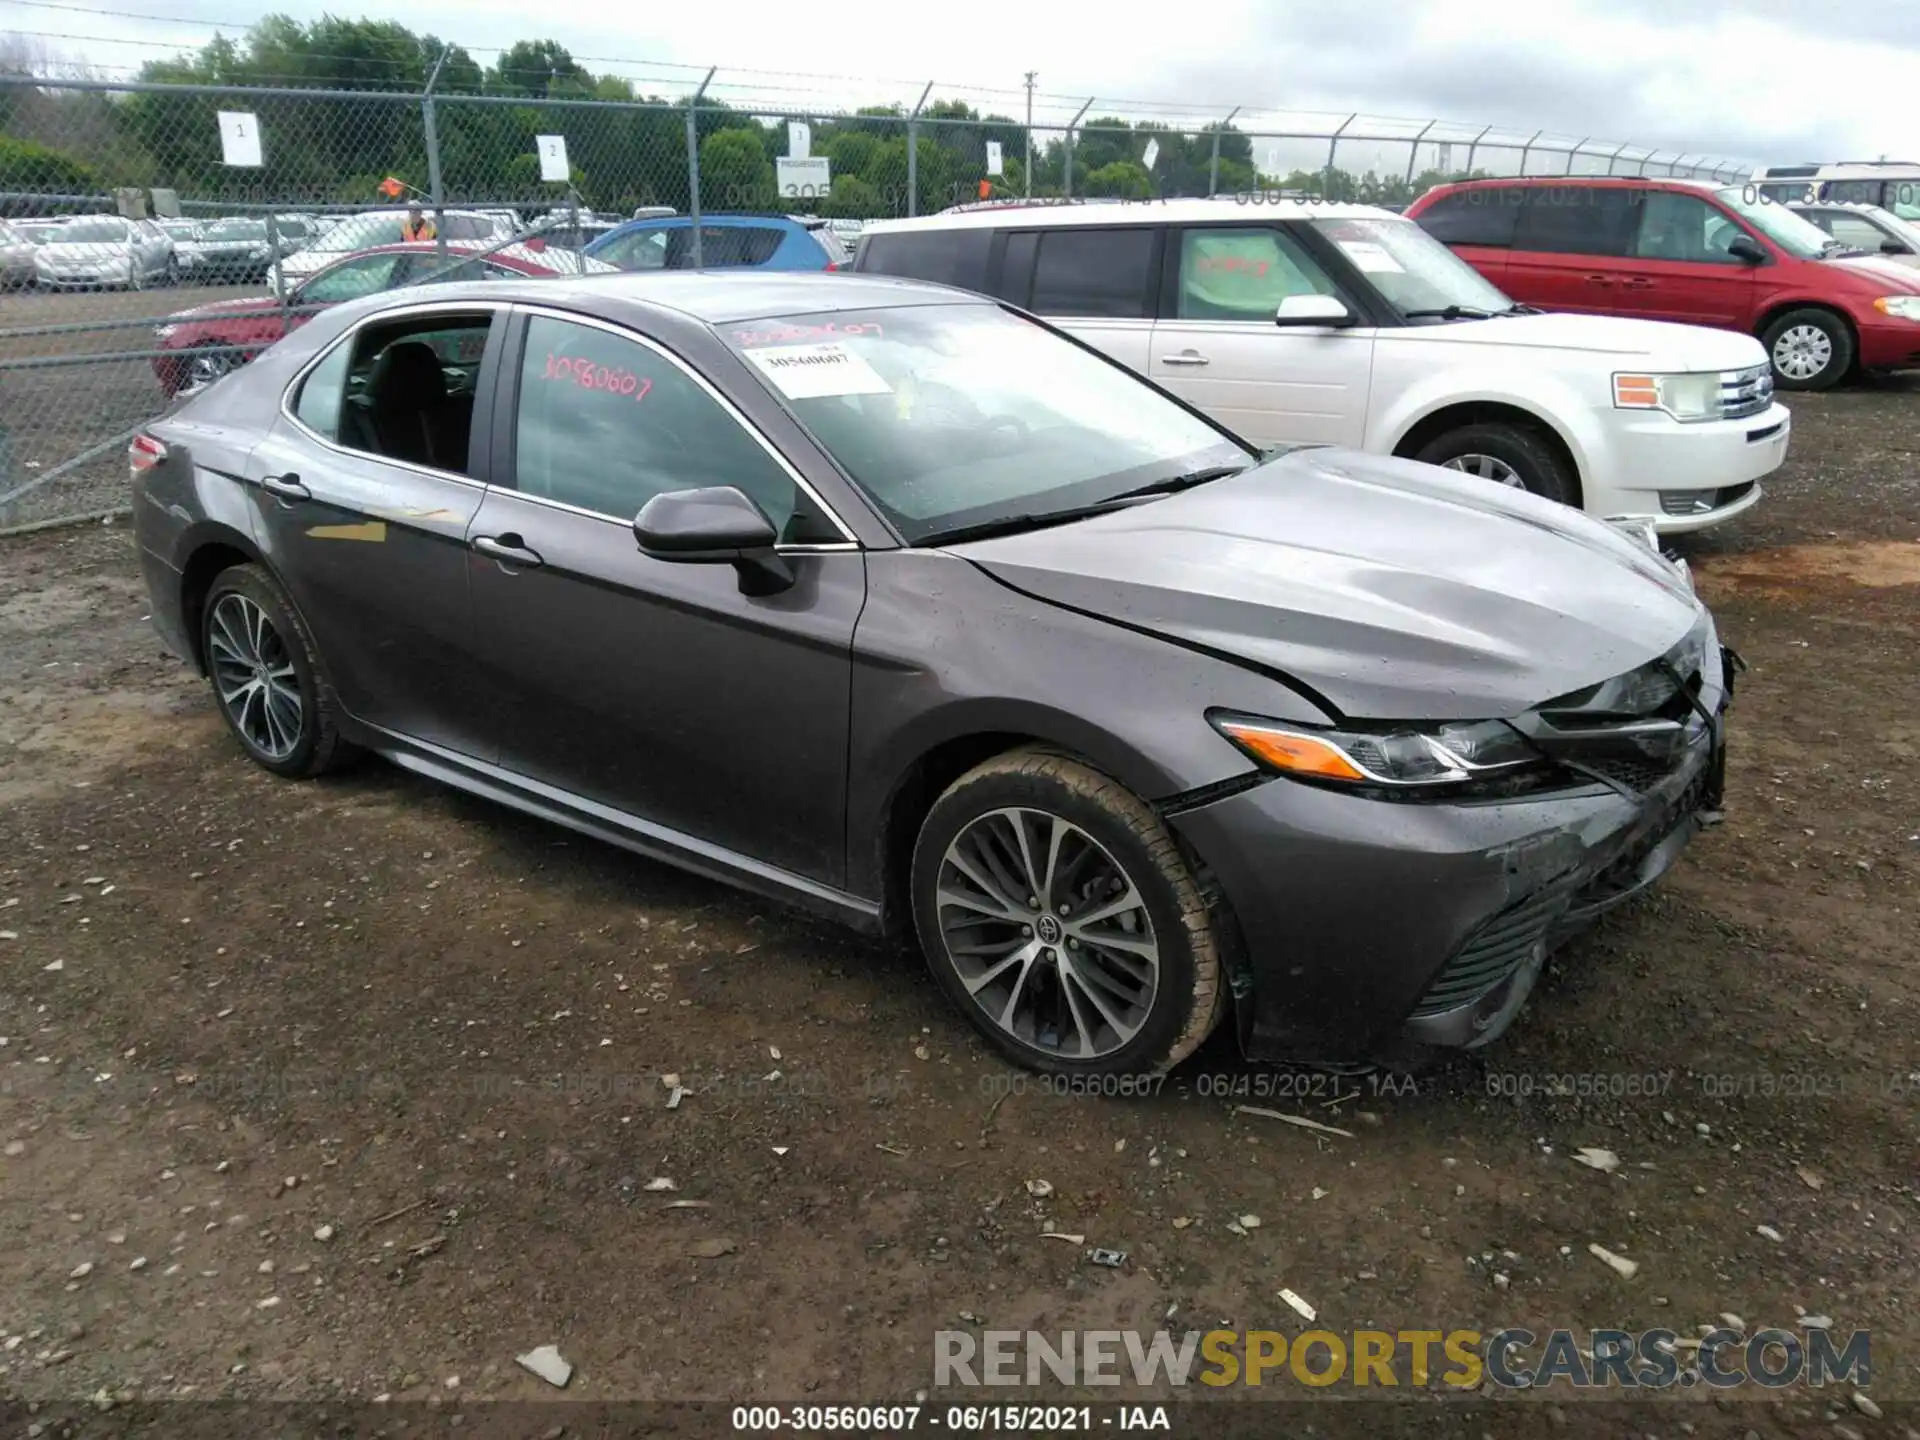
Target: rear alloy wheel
[[1810, 349], [1061, 918], [266, 676], [1504, 454]]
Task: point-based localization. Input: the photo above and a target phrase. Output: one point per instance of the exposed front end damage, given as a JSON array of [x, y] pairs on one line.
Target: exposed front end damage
[[1383, 931]]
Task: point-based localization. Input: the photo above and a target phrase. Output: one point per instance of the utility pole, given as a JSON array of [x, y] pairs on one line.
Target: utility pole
[[1027, 172]]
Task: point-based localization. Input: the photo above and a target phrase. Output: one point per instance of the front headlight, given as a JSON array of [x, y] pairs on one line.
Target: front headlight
[[1901, 307], [1684, 397], [164, 332], [1405, 758]]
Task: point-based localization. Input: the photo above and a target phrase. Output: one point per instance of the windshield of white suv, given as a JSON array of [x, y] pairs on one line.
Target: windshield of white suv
[[1800, 238], [1417, 275], [963, 419]]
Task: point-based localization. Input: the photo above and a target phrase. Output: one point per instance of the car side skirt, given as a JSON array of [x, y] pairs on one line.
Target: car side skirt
[[618, 827]]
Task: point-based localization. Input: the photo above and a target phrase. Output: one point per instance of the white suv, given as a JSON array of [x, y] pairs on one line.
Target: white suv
[[1291, 321]]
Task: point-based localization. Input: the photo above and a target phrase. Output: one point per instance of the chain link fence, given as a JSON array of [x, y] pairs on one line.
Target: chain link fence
[[123, 214]]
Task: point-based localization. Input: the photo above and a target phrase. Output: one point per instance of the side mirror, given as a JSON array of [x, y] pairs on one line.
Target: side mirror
[[1747, 250], [717, 525], [1313, 310], [1894, 247]]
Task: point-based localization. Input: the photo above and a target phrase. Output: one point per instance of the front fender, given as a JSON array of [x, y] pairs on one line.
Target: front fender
[[1547, 399]]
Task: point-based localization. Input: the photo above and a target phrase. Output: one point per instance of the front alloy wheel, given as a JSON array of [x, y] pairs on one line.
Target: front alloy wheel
[[1048, 933], [1061, 917], [1487, 467], [204, 367]]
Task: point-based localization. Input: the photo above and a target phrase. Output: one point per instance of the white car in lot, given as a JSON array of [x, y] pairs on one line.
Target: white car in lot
[[1297, 322], [104, 251]]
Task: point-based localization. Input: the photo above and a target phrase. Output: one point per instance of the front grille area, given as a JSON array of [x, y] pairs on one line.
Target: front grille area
[[1638, 775], [1702, 502], [1745, 392], [1493, 952]]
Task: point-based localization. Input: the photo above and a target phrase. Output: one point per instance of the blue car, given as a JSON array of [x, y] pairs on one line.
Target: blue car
[[765, 242]]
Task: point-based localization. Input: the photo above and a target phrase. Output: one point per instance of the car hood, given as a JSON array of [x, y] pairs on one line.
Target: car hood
[[1880, 270], [1655, 344], [1388, 588]]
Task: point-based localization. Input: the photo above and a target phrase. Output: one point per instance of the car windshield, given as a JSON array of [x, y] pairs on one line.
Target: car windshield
[[1794, 234], [181, 229], [956, 416], [361, 232], [90, 232], [1897, 228], [237, 230], [1411, 269]]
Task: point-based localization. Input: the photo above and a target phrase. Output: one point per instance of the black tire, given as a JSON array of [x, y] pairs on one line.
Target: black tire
[[1780, 338], [1189, 993], [318, 747], [1533, 459]]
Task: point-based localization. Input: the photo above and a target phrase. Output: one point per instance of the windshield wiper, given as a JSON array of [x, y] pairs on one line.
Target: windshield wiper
[[1523, 310], [1449, 312], [1013, 524], [1177, 482]]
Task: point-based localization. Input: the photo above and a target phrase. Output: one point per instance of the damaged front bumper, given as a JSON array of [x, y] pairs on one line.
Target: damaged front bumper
[[1369, 931]]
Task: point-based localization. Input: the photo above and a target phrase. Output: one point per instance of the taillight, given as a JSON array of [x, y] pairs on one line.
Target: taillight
[[833, 264], [144, 453]]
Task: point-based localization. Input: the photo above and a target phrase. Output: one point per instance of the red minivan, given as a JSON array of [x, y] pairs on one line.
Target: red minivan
[[1692, 251]]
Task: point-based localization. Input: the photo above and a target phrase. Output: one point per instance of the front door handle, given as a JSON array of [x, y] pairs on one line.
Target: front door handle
[[1637, 282], [285, 487], [508, 549], [1185, 357], [1599, 279]]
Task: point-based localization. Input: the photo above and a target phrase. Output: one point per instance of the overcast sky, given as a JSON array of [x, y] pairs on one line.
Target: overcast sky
[[1766, 80]]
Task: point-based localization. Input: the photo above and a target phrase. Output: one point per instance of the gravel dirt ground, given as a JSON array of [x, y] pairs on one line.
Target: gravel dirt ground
[[332, 1091]]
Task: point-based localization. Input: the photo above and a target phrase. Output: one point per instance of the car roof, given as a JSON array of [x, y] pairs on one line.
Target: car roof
[[1124, 212], [715, 297], [1664, 182]]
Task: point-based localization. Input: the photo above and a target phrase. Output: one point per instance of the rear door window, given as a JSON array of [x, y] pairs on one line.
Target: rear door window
[[1107, 274], [1474, 217], [722, 246], [1578, 219], [944, 257]]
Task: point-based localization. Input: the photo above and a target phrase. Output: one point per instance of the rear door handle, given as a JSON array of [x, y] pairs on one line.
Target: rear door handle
[[285, 487], [1599, 279], [508, 549], [1185, 357], [1637, 282]]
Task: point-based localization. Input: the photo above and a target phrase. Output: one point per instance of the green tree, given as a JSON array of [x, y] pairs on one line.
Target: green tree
[[735, 173], [852, 198], [1121, 179], [535, 67], [25, 165]]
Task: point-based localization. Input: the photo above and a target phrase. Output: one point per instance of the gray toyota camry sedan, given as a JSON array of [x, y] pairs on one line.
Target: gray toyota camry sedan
[[893, 603]]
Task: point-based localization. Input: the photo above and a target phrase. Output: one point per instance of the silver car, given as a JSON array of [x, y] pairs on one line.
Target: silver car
[[94, 252], [16, 257]]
